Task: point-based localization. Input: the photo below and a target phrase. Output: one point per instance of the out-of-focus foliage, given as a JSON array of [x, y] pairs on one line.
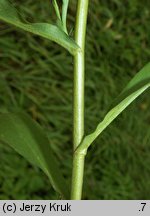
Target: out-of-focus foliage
[[27, 138]]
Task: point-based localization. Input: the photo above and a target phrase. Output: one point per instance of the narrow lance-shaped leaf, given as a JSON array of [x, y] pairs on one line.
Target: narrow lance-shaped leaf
[[26, 136], [136, 86], [64, 14], [58, 21], [9, 14], [55, 5]]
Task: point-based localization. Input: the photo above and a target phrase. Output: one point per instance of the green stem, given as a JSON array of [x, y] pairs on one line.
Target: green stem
[[77, 175], [78, 110]]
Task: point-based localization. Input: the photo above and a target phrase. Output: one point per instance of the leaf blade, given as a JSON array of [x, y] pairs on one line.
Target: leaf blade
[[135, 87], [56, 7], [9, 14], [64, 14], [20, 132]]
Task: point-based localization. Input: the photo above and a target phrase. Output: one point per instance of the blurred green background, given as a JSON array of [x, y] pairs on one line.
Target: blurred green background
[[36, 76]]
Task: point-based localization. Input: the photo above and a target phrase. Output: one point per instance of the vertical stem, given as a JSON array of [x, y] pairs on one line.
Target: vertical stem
[[77, 175], [78, 107], [80, 31]]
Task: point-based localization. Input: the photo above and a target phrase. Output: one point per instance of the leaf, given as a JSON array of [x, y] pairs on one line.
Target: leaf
[[24, 135], [9, 14], [58, 21], [61, 19], [55, 5], [64, 14], [135, 87]]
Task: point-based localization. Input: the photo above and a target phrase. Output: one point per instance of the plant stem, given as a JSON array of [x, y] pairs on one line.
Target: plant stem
[[77, 175], [80, 31], [78, 107]]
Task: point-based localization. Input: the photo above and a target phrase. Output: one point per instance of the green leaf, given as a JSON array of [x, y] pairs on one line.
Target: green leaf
[[59, 20], [9, 14], [27, 138], [55, 5], [136, 86], [64, 14]]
